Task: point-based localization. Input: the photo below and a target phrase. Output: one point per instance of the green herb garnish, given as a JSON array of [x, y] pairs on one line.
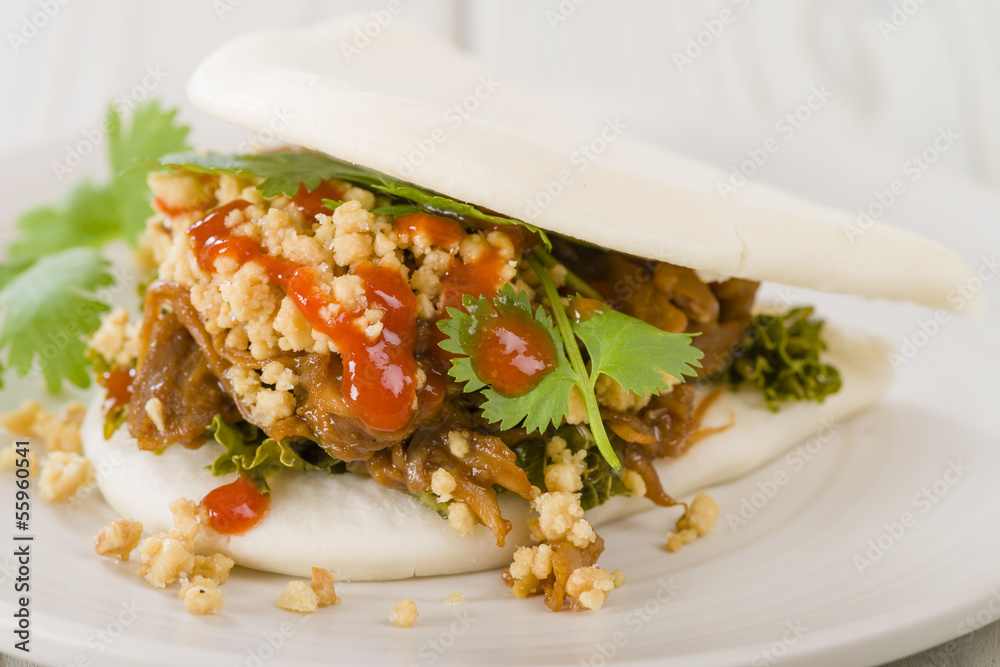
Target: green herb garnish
[[47, 309], [637, 355], [251, 454], [284, 171], [54, 266], [780, 355]]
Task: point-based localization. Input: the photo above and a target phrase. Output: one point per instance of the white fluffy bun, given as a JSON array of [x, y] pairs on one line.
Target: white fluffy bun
[[391, 107], [363, 531]]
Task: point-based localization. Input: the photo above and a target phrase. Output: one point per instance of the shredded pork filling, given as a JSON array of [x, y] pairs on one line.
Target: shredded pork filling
[[227, 339]]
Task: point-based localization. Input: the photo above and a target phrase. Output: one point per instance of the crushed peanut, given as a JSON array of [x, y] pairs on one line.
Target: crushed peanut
[[590, 586], [698, 520], [57, 431], [298, 596], [63, 474], [116, 341], [458, 444], [189, 517], [323, 585], [154, 408], [196, 580], [560, 516], [164, 559], [215, 567], [443, 483], [535, 561], [460, 518], [455, 598], [404, 613], [701, 515], [117, 539], [566, 470], [203, 598]]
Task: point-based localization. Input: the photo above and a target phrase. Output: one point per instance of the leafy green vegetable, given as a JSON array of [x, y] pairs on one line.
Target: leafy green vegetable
[[600, 480], [54, 265], [639, 356], [46, 310], [284, 171], [251, 454], [780, 354]]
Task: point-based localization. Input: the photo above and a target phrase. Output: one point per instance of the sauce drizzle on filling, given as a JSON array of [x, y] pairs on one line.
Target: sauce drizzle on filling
[[512, 352], [118, 384], [310, 202], [236, 507], [379, 382]]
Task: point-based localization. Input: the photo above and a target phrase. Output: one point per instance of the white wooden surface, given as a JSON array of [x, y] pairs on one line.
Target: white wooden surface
[[895, 77]]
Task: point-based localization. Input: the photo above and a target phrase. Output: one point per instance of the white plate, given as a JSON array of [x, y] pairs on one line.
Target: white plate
[[786, 585]]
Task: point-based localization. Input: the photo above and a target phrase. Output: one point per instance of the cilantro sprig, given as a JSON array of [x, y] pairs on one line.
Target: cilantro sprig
[[54, 266], [284, 171], [637, 355]]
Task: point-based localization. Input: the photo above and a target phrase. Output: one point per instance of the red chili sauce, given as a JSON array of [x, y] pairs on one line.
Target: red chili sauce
[[236, 507], [379, 382], [310, 202], [117, 382], [512, 352]]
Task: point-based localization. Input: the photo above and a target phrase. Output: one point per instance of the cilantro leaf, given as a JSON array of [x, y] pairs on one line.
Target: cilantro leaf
[[546, 404], [53, 264], [87, 217], [151, 133], [251, 454], [780, 355], [284, 171], [639, 356], [635, 353], [48, 309]]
